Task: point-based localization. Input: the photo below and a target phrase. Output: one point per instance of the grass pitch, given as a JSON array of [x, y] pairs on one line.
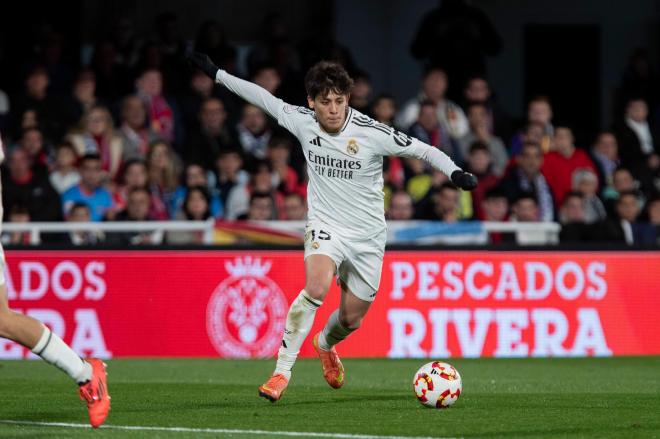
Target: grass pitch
[[611, 397]]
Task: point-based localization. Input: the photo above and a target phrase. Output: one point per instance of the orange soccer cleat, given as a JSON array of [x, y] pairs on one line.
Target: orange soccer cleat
[[273, 389], [95, 393], [333, 370]]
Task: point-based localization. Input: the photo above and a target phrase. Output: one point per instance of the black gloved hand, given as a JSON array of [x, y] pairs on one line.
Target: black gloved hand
[[203, 62], [464, 180]]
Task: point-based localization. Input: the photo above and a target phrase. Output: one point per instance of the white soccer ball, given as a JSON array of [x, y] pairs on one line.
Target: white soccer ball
[[437, 384]]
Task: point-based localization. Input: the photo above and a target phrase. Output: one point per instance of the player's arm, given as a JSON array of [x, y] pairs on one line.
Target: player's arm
[[402, 145], [247, 90]]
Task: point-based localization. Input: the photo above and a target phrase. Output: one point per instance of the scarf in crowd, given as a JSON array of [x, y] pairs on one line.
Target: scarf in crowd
[[540, 188], [161, 117]]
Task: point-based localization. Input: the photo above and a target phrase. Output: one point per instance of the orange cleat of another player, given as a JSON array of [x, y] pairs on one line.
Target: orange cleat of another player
[[333, 370], [273, 389], [95, 393]]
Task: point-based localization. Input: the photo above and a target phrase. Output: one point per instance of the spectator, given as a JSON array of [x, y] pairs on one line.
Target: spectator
[[525, 208], [22, 186], [37, 98], [361, 92], [82, 99], [260, 182], [525, 177], [586, 183], [479, 164], [201, 88], [212, 40], [262, 208], [137, 209], [456, 36], [195, 176], [622, 181], [495, 207], [253, 132], [477, 91], [98, 136], [136, 135], [400, 207], [229, 173], [136, 176], [32, 141], [65, 174], [446, 203], [539, 128], [560, 165], [80, 213], [285, 178], [572, 217], [196, 207], [267, 77], [18, 214], [164, 171], [605, 154], [451, 116], [639, 143], [90, 189], [478, 118], [162, 111], [294, 207], [653, 207], [206, 143], [626, 227], [429, 130], [383, 109]]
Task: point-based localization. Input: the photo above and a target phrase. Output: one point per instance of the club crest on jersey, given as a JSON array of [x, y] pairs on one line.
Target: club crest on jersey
[[246, 313], [352, 147]]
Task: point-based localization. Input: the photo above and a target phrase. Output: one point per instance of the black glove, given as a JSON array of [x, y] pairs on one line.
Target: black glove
[[202, 62], [464, 180]]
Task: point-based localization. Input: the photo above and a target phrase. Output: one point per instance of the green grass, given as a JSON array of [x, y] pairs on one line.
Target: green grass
[[613, 397]]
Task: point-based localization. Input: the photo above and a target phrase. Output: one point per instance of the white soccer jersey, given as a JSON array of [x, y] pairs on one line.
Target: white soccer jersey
[[345, 169]]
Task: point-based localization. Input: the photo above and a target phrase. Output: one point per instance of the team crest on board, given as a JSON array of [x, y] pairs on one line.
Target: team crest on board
[[352, 147]]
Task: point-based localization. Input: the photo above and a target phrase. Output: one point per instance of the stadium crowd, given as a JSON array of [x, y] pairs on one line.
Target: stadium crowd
[[136, 135]]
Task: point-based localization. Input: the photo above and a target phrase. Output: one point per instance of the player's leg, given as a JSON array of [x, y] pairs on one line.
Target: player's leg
[[32, 334], [319, 271]]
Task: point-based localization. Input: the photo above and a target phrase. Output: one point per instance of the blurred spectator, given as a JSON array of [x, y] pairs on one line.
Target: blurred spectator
[[21, 186], [477, 91], [164, 171], [639, 143], [451, 116], [361, 92], [126, 42], [560, 165], [538, 128], [36, 98], [605, 155], [261, 182], [195, 176], [478, 118], [295, 208], [253, 132], [82, 98], [428, 129], [50, 50], [495, 207], [525, 208], [267, 77], [653, 207], [622, 181], [626, 227], [456, 36], [138, 205], [18, 214], [446, 203], [135, 133], [262, 208], [136, 176], [400, 207], [79, 212], [98, 136], [201, 88], [229, 173], [383, 109], [479, 163], [196, 207], [33, 143], [586, 183], [212, 40], [162, 111], [65, 173], [572, 217], [526, 177], [213, 136], [90, 189], [285, 178]]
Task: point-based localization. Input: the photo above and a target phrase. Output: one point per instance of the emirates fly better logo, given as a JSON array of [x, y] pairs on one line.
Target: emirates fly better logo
[[246, 313]]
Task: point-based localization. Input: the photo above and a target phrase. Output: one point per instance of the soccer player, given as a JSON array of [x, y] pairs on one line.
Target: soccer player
[[345, 233], [89, 375]]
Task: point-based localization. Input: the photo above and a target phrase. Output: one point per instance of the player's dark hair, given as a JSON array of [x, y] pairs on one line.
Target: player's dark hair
[[325, 77]]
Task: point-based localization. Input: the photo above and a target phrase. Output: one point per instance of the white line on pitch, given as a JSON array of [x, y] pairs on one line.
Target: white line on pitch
[[216, 430]]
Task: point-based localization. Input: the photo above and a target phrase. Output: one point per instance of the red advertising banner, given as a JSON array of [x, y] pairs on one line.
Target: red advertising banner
[[430, 304]]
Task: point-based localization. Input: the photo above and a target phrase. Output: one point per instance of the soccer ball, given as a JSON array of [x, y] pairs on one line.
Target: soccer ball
[[437, 384]]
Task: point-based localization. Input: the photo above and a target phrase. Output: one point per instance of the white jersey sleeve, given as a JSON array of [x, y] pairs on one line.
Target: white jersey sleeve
[[286, 115], [393, 142]]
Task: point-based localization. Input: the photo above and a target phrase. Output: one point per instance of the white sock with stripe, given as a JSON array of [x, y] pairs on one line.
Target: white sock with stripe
[[333, 332], [54, 351]]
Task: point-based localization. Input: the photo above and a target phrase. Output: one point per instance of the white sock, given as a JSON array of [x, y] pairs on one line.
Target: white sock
[[54, 351], [333, 332], [299, 322]]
